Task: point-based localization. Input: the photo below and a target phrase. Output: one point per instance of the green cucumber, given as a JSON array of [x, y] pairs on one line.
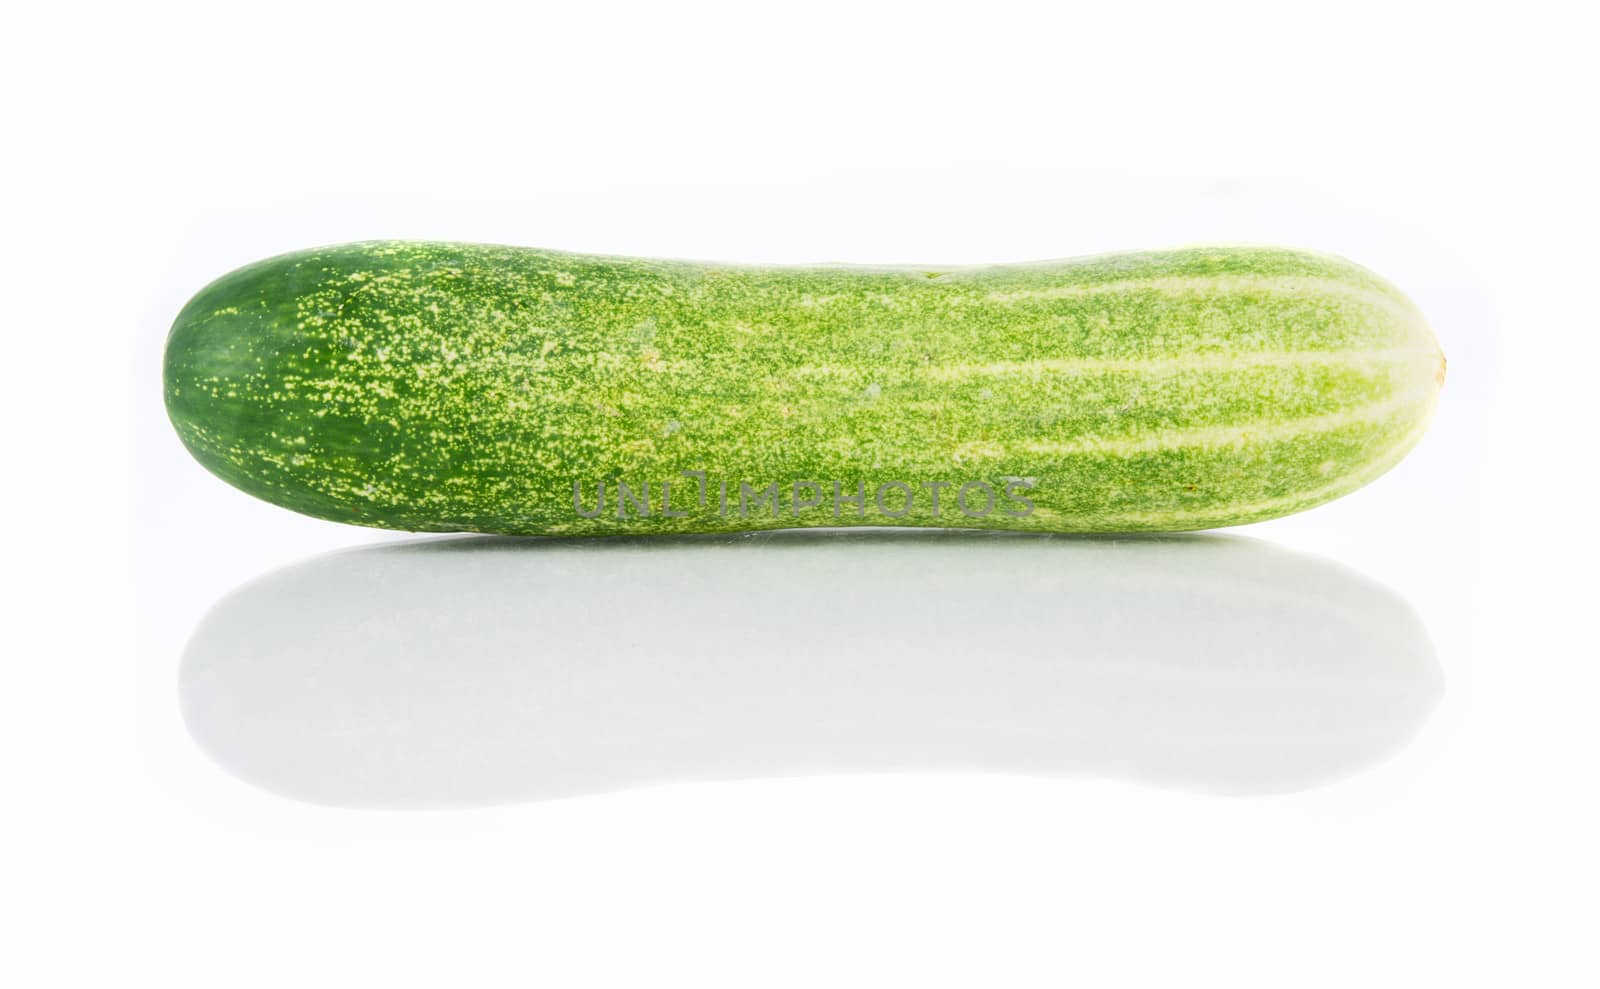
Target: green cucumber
[[452, 387]]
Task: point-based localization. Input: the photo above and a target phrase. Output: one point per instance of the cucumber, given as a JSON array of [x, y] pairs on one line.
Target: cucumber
[[453, 387]]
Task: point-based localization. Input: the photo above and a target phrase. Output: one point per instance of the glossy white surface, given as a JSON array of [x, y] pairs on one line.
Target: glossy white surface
[[467, 672], [213, 779]]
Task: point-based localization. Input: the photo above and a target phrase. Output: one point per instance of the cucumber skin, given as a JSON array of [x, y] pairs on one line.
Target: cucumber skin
[[452, 387]]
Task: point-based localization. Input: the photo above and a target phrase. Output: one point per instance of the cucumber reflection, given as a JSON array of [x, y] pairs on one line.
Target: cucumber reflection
[[474, 671]]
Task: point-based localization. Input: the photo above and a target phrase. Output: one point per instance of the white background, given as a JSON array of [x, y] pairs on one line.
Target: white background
[[150, 148]]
